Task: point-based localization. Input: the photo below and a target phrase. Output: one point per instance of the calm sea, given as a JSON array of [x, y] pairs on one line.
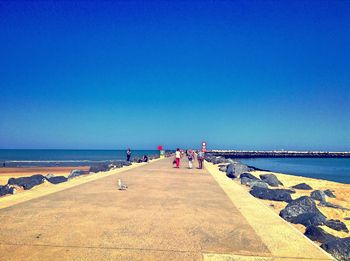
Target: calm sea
[[334, 169], [27, 158]]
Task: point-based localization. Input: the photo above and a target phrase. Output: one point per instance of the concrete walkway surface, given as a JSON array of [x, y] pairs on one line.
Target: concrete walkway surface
[[165, 214]]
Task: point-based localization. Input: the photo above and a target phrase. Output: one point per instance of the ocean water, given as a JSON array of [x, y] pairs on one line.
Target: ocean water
[[334, 169], [28, 158]]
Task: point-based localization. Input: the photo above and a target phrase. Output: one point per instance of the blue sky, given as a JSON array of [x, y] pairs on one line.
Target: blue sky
[[238, 74]]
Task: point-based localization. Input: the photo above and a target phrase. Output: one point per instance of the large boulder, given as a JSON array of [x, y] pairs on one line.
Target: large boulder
[[249, 176], [303, 211], [27, 182], [271, 179], [271, 194], [329, 193], [257, 183], [57, 179], [250, 180], [336, 224], [338, 248], [318, 234], [4, 190], [235, 169], [302, 186], [318, 195], [99, 168]]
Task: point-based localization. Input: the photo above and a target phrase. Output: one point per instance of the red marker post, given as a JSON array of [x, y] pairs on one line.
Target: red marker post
[[161, 151], [204, 146]]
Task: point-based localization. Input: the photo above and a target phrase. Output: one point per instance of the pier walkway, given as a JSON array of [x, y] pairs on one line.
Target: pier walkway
[[165, 214]]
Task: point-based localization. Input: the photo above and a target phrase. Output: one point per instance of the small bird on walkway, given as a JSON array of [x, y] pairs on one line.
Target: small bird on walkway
[[121, 186]]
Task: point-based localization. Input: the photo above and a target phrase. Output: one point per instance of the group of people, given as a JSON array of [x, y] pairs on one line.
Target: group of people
[[128, 156], [191, 155]]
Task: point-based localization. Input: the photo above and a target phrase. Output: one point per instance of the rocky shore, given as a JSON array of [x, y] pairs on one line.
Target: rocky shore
[[318, 208], [20, 183]]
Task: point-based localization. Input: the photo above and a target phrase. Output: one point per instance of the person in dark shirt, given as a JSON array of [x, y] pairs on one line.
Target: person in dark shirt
[[128, 154], [145, 158]]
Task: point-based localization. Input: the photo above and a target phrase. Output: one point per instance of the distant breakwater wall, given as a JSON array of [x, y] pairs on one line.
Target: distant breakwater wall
[[278, 154]]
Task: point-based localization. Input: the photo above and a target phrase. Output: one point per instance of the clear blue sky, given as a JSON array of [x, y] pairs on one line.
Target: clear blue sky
[[238, 74]]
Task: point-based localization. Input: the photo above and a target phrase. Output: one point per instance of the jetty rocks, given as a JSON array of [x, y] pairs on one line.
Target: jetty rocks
[[329, 193], [271, 179], [303, 211], [302, 186], [57, 179], [337, 225], [234, 170], [99, 168], [4, 190], [338, 248], [27, 182], [318, 234], [318, 195], [331, 205], [271, 194]]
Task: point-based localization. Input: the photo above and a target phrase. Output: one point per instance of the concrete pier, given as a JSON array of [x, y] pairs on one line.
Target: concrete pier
[[165, 214]]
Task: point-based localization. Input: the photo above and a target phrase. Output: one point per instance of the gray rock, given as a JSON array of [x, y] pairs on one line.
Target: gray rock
[[27, 182], [4, 190], [318, 195], [271, 194], [338, 248], [336, 224], [245, 181], [223, 168], [331, 205], [318, 234], [258, 183], [250, 180], [329, 193], [271, 179], [99, 168], [249, 176], [235, 169], [57, 179], [303, 211], [302, 186], [76, 173]]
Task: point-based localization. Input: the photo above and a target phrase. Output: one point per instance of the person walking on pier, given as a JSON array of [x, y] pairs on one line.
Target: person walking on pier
[[128, 154], [200, 158], [177, 157], [190, 158]]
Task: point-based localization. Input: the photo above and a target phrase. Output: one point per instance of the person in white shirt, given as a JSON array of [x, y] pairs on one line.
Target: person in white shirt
[[177, 157]]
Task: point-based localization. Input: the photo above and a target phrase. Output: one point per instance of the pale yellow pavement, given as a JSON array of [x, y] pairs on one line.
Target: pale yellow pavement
[[166, 214]]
